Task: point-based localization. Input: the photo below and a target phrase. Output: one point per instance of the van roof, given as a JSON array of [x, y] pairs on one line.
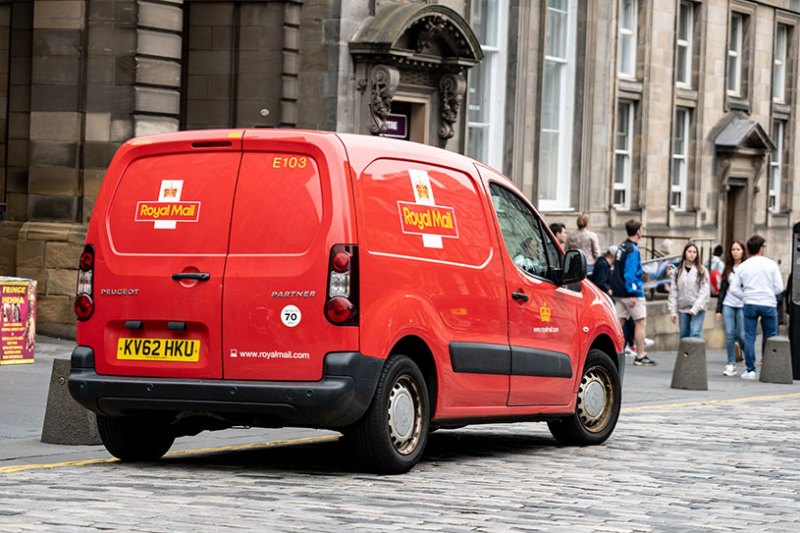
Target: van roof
[[361, 149]]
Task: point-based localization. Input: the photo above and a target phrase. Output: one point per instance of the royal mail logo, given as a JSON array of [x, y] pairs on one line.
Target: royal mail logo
[[423, 216], [168, 210], [420, 219], [544, 312]]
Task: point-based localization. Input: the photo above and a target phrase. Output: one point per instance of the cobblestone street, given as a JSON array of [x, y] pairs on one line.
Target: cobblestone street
[[723, 465]]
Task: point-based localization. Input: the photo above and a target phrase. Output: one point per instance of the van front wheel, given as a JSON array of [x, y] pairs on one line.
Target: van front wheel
[[597, 407], [132, 439], [392, 434]]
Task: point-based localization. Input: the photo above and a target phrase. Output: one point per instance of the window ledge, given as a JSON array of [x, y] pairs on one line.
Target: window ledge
[[737, 103], [630, 85], [781, 109], [686, 93]]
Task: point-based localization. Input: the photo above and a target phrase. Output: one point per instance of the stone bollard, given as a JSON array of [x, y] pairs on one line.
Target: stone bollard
[[776, 361], [65, 420], [690, 365]]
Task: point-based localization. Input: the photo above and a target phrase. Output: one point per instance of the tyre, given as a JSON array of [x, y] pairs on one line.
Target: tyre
[[597, 407], [391, 436], [132, 439]]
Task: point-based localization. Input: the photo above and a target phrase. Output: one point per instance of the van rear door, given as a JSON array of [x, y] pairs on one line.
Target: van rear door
[[161, 257], [292, 205]]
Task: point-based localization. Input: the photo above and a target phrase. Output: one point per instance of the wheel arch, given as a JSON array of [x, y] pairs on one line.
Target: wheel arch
[[418, 351], [604, 343]]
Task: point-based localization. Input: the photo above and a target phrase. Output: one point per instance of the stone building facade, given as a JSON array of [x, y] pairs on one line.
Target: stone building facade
[[682, 113]]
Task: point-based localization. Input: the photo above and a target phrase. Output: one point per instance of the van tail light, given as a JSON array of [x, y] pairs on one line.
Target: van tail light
[[84, 294], [341, 305]]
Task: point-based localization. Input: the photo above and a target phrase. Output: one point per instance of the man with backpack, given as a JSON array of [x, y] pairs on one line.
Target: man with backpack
[[627, 288]]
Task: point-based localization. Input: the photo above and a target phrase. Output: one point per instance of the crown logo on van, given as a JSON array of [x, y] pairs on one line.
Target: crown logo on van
[[422, 191], [170, 191], [544, 312]]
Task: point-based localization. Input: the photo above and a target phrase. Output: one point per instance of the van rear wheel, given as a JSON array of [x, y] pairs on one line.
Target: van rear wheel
[[597, 407], [392, 434], [133, 439]]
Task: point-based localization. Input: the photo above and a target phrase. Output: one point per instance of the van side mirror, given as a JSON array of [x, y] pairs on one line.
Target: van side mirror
[[574, 267]]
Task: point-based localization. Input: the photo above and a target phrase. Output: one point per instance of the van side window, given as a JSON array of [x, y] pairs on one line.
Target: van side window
[[521, 230], [552, 251]]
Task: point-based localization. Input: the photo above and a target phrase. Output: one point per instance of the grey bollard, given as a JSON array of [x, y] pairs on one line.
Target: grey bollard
[[776, 361], [690, 365], [65, 420]]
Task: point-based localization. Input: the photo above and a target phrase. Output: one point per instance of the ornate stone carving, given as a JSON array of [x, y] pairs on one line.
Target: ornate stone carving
[[451, 88], [383, 81], [723, 167], [431, 27]]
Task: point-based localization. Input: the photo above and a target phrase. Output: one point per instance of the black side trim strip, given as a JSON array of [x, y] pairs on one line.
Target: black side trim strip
[[544, 363], [477, 358]]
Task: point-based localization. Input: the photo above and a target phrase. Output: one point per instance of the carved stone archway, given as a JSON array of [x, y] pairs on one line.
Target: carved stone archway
[[413, 51]]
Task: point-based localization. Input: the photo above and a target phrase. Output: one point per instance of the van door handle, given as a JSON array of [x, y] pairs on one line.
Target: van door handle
[[520, 296], [197, 276]]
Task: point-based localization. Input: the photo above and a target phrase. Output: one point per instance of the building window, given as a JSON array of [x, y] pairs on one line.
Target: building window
[[557, 107], [776, 166], [779, 64], [735, 54], [486, 96], [683, 66], [623, 155], [628, 15], [680, 157]]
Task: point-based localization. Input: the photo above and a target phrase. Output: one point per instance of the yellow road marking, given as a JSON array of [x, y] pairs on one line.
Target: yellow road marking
[[177, 453], [327, 438], [660, 406]]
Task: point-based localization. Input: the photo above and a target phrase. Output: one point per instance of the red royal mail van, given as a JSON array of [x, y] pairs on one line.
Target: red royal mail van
[[289, 278]]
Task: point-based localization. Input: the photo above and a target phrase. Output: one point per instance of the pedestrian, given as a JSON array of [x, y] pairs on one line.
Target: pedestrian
[[715, 268], [689, 293], [601, 274], [759, 285], [584, 239], [730, 307], [560, 233], [627, 282], [716, 262]]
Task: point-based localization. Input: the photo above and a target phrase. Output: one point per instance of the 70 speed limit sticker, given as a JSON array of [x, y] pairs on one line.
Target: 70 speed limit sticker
[[291, 316]]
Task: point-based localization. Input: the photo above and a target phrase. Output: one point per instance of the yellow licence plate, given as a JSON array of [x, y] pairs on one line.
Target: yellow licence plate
[[182, 350]]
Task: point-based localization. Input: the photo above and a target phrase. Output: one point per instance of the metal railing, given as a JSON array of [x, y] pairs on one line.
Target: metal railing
[[656, 260]]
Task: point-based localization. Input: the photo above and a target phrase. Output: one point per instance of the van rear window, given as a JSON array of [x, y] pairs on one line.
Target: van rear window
[[174, 204], [278, 207]]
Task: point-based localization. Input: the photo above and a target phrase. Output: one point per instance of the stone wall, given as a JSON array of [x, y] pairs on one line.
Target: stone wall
[[661, 329], [49, 252]]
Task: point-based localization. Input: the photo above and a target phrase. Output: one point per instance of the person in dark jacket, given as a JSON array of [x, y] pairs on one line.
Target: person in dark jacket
[[601, 275]]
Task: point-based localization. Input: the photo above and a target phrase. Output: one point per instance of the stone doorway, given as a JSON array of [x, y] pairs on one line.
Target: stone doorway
[[411, 59]]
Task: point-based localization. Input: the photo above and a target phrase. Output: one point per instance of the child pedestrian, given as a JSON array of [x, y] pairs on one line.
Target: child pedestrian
[[730, 307], [689, 294]]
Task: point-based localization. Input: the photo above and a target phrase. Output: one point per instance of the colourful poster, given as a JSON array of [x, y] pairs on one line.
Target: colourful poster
[[17, 320]]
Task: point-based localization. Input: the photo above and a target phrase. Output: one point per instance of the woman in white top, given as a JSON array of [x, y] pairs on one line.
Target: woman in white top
[[730, 306], [689, 293]]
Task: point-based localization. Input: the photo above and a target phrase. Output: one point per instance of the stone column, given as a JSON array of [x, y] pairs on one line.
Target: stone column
[[158, 52], [56, 119]]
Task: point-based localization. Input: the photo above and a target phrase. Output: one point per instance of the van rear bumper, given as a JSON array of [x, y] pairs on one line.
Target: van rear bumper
[[340, 398]]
